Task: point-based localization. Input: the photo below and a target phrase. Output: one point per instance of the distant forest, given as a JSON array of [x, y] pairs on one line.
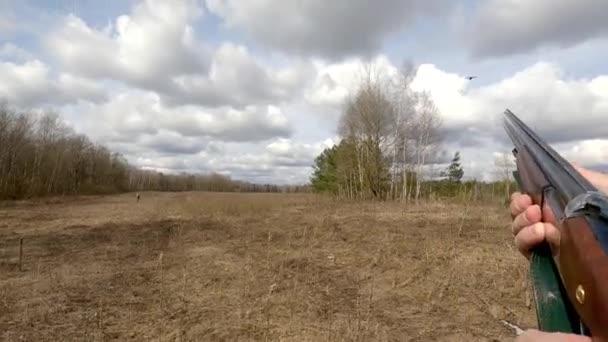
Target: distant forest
[[41, 156]]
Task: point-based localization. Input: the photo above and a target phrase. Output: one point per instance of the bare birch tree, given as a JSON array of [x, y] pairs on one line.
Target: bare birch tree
[[504, 164], [367, 122], [425, 134]]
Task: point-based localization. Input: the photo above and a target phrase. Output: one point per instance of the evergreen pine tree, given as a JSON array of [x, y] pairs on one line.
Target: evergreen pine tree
[[455, 172], [324, 175]]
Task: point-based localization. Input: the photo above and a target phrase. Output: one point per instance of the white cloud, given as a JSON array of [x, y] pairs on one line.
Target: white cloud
[[279, 161], [287, 152], [132, 115], [156, 41], [23, 82], [282, 160], [332, 29], [569, 113], [591, 152], [253, 123], [10, 51], [155, 48], [448, 93], [504, 27], [539, 94], [237, 78], [333, 82], [31, 84]]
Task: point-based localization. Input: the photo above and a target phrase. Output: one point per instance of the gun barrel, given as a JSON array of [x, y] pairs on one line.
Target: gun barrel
[[559, 172]]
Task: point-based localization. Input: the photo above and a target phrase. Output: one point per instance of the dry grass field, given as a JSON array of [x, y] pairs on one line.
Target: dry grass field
[[258, 267]]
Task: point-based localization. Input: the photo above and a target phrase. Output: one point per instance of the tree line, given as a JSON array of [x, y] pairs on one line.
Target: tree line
[[40, 156], [389, 143]]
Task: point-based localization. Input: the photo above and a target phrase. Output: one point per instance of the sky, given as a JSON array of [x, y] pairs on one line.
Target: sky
[[253, 88]]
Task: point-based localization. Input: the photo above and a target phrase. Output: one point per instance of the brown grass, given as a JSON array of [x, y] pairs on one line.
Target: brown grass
[[258, 267]]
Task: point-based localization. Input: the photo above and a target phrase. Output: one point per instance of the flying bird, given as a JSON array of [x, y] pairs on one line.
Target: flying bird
[[471, 77]]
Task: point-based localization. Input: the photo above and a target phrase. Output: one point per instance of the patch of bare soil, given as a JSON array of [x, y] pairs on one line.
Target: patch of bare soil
[[250, 267]]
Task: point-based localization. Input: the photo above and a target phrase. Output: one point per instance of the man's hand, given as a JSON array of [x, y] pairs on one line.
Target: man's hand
[[533, 335], [527, 227]]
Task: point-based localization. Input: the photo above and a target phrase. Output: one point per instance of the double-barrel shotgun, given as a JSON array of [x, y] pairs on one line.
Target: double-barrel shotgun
[[569, 280]]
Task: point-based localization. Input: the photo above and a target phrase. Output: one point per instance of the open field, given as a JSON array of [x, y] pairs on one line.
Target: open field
[[268, 267]]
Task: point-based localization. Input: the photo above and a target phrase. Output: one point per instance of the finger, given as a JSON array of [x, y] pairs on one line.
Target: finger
[[552, 235], [573, 338], [528, 217], [533, 335], [515, 194], [530, 237], [519, 203], [548, 214]]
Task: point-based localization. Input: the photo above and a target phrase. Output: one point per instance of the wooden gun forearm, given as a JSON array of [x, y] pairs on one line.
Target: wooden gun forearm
[[584, 270]]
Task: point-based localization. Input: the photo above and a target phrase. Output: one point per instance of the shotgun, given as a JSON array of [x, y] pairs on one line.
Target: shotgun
[[570, 281]]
